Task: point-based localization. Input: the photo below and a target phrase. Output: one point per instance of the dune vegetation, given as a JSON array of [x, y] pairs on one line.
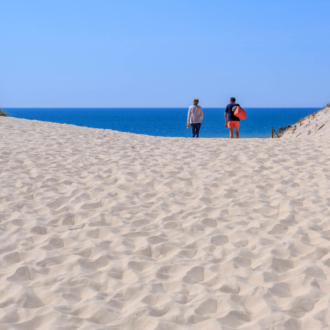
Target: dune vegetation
[[3, 113]]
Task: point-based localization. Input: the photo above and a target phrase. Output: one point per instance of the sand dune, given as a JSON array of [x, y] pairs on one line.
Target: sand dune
[[317, 124], [108, 230]]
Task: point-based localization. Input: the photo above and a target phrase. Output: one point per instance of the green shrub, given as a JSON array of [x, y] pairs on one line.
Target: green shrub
[[3, 113]]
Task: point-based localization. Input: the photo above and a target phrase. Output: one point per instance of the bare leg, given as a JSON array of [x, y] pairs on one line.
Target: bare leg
[[231, 133], [237, 133]]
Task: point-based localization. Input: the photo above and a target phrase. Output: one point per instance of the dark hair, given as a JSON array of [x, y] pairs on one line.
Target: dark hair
[[232, 99]]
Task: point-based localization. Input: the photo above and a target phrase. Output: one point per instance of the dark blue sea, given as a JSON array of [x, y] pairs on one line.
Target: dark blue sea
[[166, 121]]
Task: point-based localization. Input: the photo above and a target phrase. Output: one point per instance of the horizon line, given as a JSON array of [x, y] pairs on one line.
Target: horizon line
[[155, 107]]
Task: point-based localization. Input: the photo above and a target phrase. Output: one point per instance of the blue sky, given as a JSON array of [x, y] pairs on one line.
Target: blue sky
[[105, 53]]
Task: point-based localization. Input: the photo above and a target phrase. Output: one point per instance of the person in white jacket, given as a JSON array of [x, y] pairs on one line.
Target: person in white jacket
[[195, 117]]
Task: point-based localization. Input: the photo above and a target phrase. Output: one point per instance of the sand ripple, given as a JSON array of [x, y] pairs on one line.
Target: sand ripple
[[107, 230]]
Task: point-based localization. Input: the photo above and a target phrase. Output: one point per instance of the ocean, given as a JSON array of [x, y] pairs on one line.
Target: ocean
[[166, 121]]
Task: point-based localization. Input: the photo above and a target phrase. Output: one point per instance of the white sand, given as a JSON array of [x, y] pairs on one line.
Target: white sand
[[108, 230], [317, 124]]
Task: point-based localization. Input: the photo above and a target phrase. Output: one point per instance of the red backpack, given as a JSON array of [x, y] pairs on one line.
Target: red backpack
[[239, 112]]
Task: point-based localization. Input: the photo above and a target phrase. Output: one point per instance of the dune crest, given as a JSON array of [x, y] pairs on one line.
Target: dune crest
[[107, 230], [316, 125]]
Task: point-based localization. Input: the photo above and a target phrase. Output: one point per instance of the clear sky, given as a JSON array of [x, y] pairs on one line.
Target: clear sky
[[148, 53]]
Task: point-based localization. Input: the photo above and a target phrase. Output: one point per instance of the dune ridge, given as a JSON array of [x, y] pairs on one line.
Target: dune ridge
[[316, 124], [108, 230]]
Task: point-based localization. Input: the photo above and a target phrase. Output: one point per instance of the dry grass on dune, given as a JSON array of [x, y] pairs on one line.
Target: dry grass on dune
[[3, 113]]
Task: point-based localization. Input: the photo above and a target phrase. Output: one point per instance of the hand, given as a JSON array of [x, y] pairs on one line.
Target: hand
[[226, 125], [188, 125]]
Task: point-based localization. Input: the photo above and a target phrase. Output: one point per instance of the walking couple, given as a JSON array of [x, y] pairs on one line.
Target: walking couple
[[195, 117]]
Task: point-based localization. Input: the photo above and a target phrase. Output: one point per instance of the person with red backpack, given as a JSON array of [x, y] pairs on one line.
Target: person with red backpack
[[232, 121]]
